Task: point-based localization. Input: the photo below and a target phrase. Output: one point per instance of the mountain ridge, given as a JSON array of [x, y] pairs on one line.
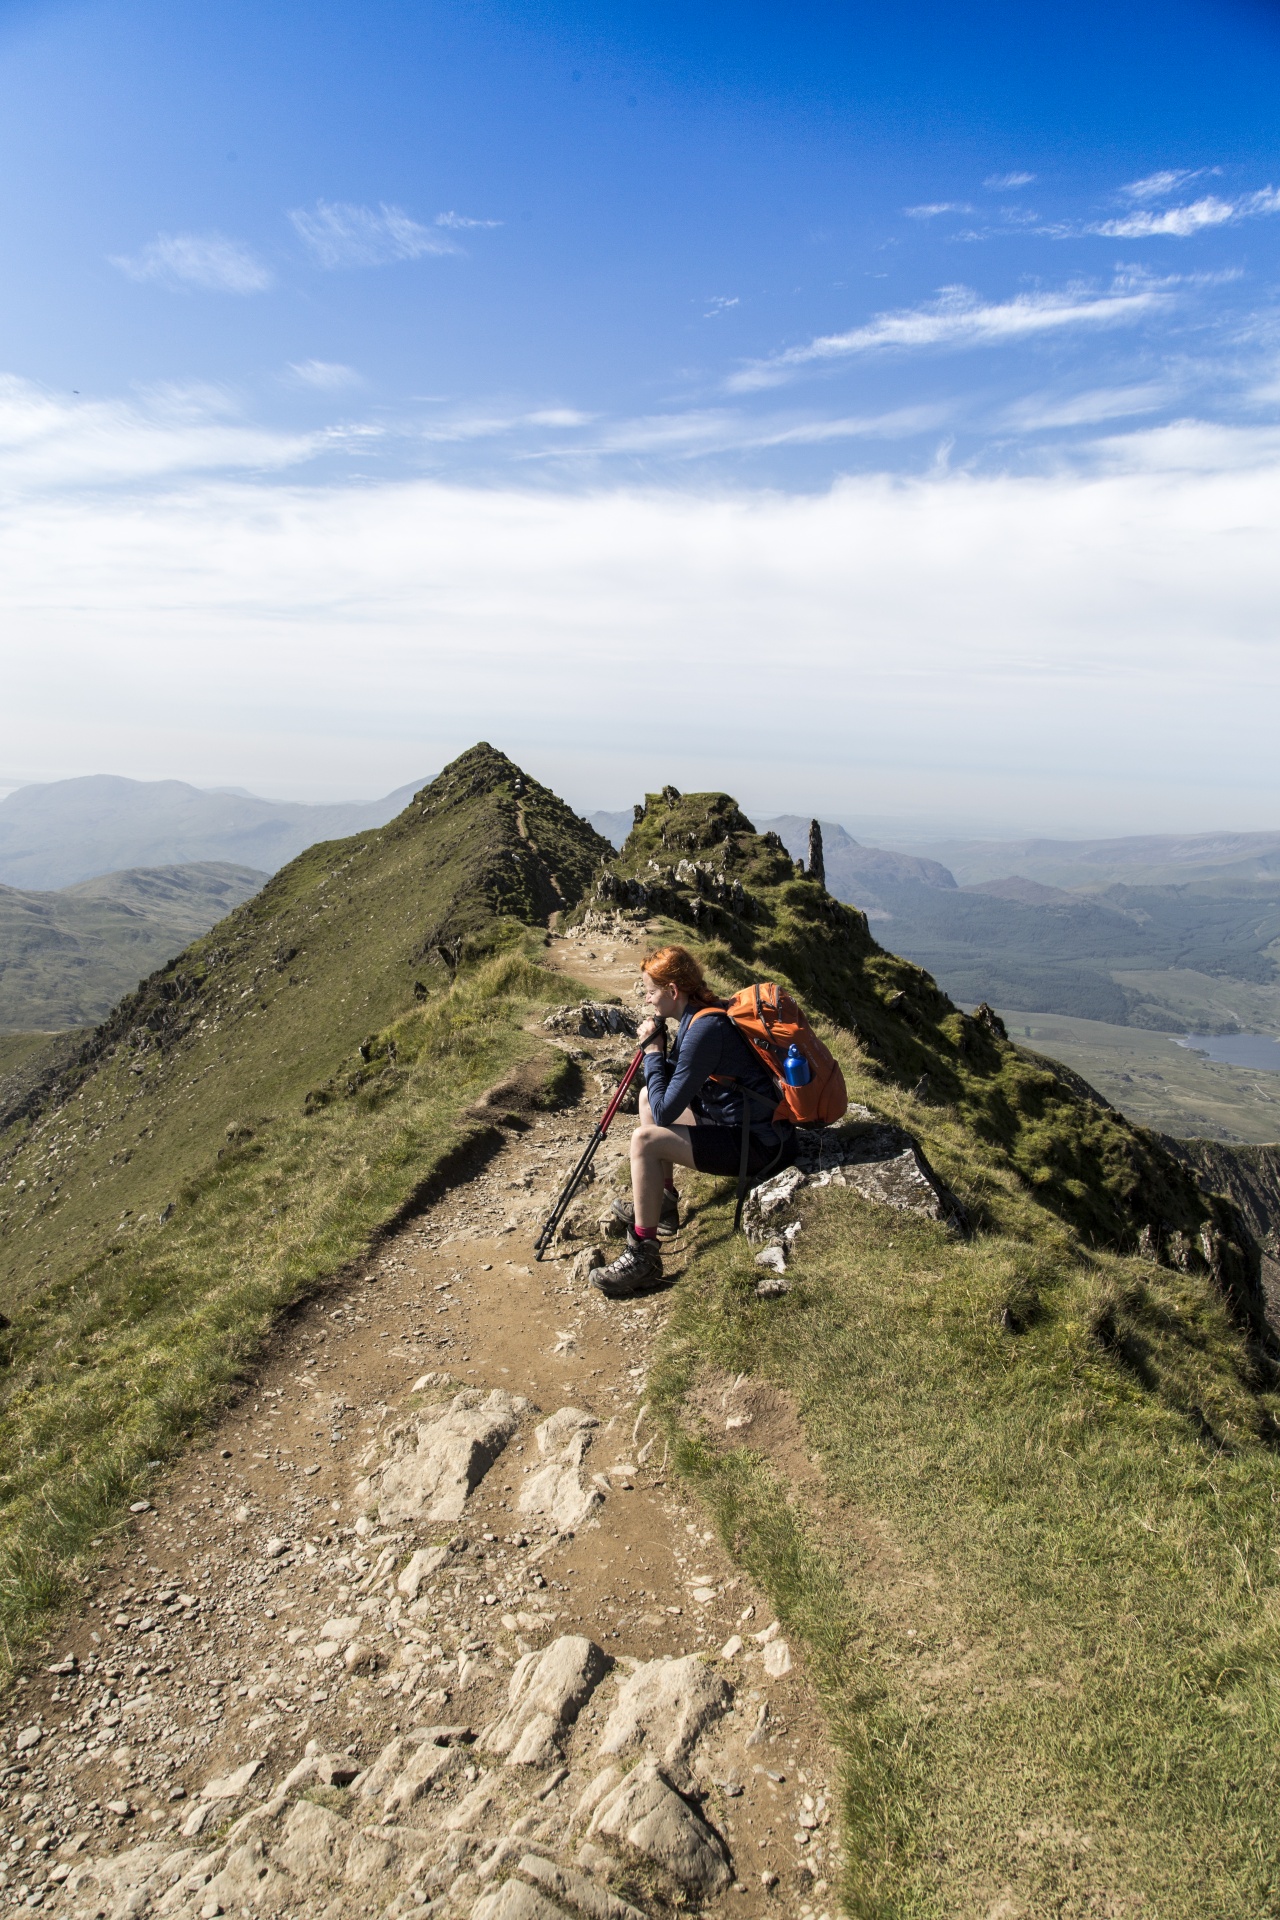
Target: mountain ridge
[[1002, 1393]]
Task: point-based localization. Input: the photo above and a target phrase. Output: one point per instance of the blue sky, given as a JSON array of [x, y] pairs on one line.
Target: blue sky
[[853, 275]]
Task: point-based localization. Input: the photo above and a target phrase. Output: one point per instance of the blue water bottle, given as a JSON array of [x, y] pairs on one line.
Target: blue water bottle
[[796, 1070]]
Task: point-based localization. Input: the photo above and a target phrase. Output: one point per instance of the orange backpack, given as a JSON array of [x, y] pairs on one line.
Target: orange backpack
[[770, 1022]]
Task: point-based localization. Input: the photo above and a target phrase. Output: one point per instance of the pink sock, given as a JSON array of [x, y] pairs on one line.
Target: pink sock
[[646, 1233]]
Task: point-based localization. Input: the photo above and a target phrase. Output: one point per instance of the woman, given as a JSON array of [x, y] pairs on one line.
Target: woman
[[690, 1113]]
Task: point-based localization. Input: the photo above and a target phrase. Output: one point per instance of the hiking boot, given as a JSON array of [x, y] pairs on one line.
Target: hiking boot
[[638, 1270], [668, 1220]]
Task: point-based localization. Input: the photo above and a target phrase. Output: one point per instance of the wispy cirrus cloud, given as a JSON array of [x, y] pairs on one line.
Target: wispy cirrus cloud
[[933, 208], [1157, 186], [1178, 221], [1004, 182], [1192, 217], [340, 234], [1040, 413], [697, 432], [327, 376], [209, 261], [50, 442], [461, 221], [958, 318]]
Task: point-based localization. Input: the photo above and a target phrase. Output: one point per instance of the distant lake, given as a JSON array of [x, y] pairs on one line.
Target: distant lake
[[1237, 1049]]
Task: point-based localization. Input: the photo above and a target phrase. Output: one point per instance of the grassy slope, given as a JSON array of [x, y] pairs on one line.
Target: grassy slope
[[1037, 1587], [284, 1087]]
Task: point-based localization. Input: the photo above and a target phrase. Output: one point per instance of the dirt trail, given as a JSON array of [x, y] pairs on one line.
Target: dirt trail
[[147, 1755]]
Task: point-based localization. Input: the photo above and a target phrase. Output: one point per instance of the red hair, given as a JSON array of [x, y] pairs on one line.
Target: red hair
[[676, 967]]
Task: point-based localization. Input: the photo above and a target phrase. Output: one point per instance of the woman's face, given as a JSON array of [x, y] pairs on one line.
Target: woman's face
[[661, 1002]]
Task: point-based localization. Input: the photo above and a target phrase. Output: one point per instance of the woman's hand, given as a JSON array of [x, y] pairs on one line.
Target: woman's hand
[[653, 1036]]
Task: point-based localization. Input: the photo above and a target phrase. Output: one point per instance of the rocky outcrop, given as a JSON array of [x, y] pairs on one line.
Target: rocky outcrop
[[666, 1705], [1249, 1176], [555, 1493], [548, 1690], [648, 1817], [593, 1020], [877, 1160], [437, 1465], [424, 1829]]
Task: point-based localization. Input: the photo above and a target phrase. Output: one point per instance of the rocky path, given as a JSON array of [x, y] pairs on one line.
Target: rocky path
[[426, 1627]]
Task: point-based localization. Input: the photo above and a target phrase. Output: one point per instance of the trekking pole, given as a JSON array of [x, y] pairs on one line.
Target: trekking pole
[[589, 1152]]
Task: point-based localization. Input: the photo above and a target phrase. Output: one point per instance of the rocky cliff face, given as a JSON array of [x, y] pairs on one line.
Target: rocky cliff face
[[1249, 1176]]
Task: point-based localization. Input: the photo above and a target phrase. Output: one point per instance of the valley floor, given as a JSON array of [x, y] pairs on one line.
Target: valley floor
[[199, 1673], [1154, 1081]]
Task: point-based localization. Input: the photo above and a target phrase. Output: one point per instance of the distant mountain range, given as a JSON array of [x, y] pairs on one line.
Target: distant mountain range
[[60, 833], [1174, 932], [1146, 860], [1158, 931]]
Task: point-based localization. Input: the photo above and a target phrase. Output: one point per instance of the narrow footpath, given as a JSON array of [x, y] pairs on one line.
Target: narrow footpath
[[426, 1626]]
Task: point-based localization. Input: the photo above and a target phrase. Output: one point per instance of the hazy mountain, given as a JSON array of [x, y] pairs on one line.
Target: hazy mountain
[[614, 826], [1030, 893], [67, 957], [56, 834], [856, 873], [1151, 931], [1139, 860]]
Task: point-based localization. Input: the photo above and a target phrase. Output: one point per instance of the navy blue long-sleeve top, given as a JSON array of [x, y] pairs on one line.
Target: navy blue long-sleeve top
[[711, 1045]]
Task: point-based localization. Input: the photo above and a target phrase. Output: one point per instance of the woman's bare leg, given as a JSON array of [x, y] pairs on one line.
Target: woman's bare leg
[[654, 1150], [646, 1120]]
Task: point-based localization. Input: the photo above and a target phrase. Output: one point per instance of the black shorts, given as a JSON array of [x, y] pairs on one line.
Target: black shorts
[[719, 1149]]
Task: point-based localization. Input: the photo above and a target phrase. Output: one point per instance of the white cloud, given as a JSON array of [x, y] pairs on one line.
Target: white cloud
[[48, 441], [935, 207], [1040, 412], [958, 318], [1194, 217], [457, 428], [1088, 648], [342, 235], [1156, 186], [558, 417], [330, 376], [699, 432], [1179, 221], [1004, 182], [462, 221], [206, 260]]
